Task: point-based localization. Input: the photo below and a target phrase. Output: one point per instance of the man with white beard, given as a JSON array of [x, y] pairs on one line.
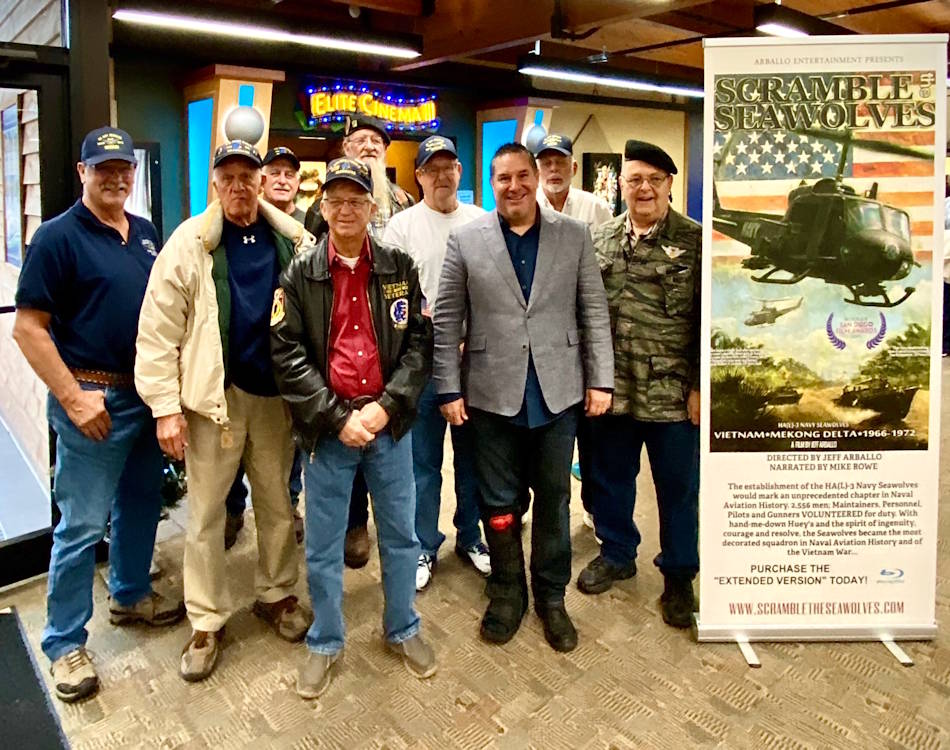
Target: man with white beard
[[366, 140]]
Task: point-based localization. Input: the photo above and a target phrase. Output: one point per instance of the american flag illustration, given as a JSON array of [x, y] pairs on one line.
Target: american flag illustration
[[763, 166]]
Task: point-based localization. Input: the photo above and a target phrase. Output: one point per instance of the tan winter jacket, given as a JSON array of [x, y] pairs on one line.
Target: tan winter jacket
[[183, 326]]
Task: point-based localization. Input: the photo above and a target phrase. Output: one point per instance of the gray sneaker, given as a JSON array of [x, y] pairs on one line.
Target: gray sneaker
[[417, 655], [74, 677], [315, 674], [200, 655]]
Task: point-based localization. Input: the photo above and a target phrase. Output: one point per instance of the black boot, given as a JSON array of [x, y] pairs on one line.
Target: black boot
[[558, 628], [677, 602], [507, 587]]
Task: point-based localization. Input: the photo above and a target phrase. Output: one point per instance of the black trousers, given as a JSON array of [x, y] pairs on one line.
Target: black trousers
[[508, 458], [359, 503]]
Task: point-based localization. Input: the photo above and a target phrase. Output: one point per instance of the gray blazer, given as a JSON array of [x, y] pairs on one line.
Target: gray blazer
[[564, 325]]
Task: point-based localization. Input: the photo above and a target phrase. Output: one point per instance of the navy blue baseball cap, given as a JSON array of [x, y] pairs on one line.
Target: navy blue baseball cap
[[554, 142], [242, 149], [281, 152], [349, 169], [360, 121], [434, 144], [103, 144]]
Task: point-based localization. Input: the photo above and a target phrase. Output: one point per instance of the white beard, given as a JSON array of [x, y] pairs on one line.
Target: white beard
[[381, 189]]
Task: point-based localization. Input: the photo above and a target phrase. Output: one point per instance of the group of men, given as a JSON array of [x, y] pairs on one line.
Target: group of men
[[251, 344]]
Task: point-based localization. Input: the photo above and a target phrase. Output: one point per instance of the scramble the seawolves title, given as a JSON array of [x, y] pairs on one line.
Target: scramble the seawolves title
[[841, 100], [820, 367]]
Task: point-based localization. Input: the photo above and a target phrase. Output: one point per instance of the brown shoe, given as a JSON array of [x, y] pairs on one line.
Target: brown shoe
[[153, 609], [288, 619], [356, 547], [298, 526], [200, 655]]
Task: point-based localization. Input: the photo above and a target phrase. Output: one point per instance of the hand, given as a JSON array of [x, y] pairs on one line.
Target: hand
[[374, 417], [597, 402], [172, 433], [454, 412], [354, 434], [692, 407], [87, 410]]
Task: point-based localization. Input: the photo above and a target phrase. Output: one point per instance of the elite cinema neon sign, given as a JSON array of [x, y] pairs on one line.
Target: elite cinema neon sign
[[332, 103]]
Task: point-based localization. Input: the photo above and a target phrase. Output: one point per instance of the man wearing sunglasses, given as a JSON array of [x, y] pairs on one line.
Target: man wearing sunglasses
[[650, 262]]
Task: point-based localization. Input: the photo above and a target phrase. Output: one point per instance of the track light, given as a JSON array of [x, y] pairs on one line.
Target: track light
[[204, 25], [780, 20], [563, 70]]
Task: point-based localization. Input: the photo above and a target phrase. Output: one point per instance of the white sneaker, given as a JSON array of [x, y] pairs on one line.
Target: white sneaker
[[424, 570], [478, 556]]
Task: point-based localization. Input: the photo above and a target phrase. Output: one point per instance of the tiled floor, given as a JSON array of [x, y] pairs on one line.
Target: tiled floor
[[632, 682]]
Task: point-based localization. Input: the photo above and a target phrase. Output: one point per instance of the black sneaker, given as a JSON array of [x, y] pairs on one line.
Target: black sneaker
[[232, 525], [677, 602], [599, 575]]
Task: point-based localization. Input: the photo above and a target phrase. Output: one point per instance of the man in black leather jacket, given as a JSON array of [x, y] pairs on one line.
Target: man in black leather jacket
[[351, 353]]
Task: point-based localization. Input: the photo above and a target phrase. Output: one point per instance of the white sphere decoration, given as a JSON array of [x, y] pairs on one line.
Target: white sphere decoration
[[244, 124], [533, 137]]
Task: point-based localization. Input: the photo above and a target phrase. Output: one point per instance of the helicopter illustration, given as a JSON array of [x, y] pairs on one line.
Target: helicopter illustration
[[828, 231], [769, 312]]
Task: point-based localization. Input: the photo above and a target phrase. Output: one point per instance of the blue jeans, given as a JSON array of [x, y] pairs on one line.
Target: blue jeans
[[387, 466], [236, 501], [673, 447], [121, 476], [428, 440]]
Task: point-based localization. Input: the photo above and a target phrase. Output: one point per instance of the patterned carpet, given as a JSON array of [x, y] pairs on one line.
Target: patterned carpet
[[631, 683]]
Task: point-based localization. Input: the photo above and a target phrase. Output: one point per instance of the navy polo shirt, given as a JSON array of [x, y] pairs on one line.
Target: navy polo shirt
[[252, 279], [92, 282], [523, 251]]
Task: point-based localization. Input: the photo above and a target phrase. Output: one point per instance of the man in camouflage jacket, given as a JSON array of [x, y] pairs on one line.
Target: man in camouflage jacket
[[650, 261]]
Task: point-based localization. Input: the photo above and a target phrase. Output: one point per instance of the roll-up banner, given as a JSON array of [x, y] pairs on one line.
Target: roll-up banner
[[823, 239]]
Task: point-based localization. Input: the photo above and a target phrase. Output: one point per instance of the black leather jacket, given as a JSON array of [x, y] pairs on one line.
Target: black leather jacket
[[300, 332]]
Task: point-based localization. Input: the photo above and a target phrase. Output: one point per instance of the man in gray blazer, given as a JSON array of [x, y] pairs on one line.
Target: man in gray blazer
[[521, 290]]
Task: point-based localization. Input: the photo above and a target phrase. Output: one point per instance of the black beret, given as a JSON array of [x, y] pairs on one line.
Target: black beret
[[652, 155]]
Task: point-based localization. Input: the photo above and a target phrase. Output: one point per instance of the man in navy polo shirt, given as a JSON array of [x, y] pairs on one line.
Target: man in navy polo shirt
[[78, 303]]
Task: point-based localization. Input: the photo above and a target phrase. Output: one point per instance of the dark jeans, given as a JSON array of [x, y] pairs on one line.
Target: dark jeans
[[673, 448], [509, 458], [583, 458]]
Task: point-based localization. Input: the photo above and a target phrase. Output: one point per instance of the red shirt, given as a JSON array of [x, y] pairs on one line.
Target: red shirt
[[353, 360]]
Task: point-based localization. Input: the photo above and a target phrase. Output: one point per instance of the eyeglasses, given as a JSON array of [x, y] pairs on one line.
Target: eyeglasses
[[363, 138], [655, 180], [357, 204], [448, 169]]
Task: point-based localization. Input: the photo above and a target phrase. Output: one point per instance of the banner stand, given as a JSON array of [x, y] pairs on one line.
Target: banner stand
[[823, 235]]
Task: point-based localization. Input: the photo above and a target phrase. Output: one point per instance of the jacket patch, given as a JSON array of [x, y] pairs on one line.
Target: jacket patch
[[399, 312], [672, 252], [277, 309], [396, 289]]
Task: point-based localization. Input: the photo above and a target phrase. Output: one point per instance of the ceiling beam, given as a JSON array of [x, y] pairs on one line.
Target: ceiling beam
[[464, 28]]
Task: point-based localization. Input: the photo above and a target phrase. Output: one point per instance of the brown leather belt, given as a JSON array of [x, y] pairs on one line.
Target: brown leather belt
[[359, 402], [101, 377]]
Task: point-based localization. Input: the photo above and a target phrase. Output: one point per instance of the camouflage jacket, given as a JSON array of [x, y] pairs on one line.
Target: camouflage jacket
[[653, 296]]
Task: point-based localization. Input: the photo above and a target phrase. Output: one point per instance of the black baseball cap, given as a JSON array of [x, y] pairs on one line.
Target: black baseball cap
[[434, 144], [242, 149], [103, 144], [359, 122], [349, 169], [280, 152], [554, 142], [652, 155]]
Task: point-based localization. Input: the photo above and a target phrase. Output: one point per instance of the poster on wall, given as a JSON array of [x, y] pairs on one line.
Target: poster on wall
[[599, 176], [822, 295]]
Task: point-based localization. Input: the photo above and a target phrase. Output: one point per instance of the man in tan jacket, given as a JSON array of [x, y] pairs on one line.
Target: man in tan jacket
[[203, 367]]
